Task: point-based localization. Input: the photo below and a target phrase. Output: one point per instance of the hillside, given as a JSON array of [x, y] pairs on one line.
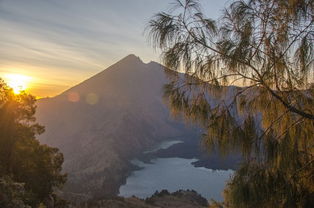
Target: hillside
[[106, 120]]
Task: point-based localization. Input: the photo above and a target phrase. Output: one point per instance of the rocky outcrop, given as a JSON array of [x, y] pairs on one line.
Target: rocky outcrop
[[181, 198]]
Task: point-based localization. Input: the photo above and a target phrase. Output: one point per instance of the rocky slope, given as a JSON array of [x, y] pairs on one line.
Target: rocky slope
[[106, 120]]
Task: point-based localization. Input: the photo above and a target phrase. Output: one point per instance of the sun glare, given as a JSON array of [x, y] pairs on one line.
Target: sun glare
[[17, 82]]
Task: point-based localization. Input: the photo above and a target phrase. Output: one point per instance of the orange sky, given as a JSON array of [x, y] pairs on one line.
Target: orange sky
[[44, 84], [61, 43]]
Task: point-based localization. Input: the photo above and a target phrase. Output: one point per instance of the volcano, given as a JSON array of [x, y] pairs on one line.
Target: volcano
[[103, 122]]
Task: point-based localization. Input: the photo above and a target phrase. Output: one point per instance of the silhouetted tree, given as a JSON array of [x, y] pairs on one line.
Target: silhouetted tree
[[23, 160]]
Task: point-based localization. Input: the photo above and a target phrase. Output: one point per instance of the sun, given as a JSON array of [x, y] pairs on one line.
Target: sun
[[17, 82]]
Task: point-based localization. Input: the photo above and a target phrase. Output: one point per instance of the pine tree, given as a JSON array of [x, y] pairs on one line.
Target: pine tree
[[265, 47]]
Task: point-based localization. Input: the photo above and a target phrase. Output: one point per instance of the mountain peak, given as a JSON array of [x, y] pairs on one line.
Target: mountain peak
[[131, 59]]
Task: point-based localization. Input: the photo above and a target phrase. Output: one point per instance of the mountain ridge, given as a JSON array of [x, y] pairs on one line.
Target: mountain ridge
[[105, 120]]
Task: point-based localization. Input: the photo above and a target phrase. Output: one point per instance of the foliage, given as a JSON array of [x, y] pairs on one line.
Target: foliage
[[263, 43], [12, 194], [266, 47], [22, 158]]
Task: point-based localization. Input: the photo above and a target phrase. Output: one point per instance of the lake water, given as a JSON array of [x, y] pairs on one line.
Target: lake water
[[163, 145], [174, 174]]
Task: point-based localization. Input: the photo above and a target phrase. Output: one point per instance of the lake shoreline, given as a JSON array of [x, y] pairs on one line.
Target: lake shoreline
[[192, 149], [163, 173], [185, 150]]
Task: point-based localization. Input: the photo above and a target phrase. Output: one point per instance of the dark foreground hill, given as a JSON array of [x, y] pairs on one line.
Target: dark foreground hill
[[163, 199], [103, 122]]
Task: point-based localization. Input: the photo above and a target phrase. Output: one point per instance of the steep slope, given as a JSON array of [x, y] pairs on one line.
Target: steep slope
[[106, 120]]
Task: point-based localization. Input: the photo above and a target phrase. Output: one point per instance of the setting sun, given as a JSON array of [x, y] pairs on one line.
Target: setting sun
[[17, 82]]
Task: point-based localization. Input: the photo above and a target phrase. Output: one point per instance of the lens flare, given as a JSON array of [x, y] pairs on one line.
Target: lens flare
[[92, 99], [73, 97]]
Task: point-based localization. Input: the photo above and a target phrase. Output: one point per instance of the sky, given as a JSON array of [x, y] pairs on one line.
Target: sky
[[56, 44]]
